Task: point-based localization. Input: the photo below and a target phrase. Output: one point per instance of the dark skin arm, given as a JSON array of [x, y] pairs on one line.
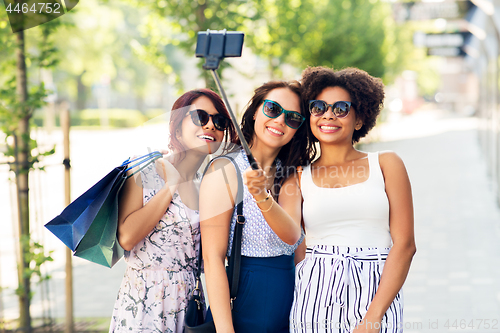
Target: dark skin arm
[[397, 265]]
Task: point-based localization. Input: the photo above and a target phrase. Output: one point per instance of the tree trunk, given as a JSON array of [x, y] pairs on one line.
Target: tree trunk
[[82, 93], [22, 151]]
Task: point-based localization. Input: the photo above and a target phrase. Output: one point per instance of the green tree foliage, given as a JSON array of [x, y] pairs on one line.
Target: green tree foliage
[[185, 18], [91, 44], [176, 23], [333, 33], [103, 42], [43, 54]]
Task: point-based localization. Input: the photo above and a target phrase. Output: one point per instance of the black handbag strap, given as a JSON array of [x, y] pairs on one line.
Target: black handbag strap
[[233, 271], [235, 257]]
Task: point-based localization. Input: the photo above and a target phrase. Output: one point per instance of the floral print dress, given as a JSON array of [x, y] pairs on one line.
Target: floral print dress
[[154, 293]]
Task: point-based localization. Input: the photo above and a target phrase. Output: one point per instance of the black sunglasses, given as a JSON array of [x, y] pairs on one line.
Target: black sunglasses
[[273, 110], [340, 109], [201, 118]]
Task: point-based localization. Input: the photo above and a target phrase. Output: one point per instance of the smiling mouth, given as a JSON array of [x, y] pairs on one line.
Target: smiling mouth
[[329, 128], [206, 137], [275, 131]]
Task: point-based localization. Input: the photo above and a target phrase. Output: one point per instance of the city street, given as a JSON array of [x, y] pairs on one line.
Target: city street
[[454, 281]]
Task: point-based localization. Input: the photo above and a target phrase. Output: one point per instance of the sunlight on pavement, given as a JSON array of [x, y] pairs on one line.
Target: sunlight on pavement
[[421, 123]]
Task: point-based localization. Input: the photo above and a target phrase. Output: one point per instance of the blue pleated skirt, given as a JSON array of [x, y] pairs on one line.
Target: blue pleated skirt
[[265, 295]]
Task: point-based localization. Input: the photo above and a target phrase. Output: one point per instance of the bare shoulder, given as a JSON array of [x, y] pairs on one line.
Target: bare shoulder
[[133, 183], [293, 178], [131, 197], [389, 159], [392, 166], [220, 164], [219, 171], [218, 190]]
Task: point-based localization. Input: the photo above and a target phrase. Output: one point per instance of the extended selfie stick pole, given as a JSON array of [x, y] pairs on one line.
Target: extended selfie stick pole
[[244, 143], [214, 48]]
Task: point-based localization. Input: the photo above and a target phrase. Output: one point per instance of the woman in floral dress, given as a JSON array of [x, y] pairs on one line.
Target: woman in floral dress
[[159, 220]]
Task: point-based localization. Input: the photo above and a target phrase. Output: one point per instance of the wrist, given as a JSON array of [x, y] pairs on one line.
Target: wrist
[[271, 204], [262, 198], [170, 189], [372, 318]]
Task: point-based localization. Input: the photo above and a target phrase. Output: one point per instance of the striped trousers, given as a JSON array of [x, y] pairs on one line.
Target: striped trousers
[[334, 286]]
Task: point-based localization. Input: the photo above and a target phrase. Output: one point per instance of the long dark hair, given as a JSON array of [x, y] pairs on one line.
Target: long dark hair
[[180, 109], [297, 151]]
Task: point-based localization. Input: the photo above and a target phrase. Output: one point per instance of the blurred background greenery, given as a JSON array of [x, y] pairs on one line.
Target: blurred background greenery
[[139, 55]]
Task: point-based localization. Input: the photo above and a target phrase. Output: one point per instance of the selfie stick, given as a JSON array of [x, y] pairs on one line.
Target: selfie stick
[[215, 49]]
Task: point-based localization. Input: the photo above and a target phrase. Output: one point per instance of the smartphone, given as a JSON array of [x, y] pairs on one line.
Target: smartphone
[[215, 45]]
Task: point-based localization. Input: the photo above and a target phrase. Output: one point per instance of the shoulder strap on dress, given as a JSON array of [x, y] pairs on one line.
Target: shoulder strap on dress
[[299, 174], [375, 168]]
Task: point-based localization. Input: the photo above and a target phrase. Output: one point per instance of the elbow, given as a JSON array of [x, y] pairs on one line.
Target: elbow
[[407, 249], [292, 238], [410, 249], [413, 249], [292, 241], [125, 242]]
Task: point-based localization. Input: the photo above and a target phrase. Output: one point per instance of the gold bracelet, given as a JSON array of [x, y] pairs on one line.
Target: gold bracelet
[[263, 200], [265, 211]]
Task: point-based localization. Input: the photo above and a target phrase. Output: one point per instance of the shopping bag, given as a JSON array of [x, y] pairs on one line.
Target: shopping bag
[[100, 243], [74, 221], [99, 206]]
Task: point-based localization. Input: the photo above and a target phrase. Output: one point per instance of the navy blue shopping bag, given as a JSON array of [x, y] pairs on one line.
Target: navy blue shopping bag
[[88, 225]]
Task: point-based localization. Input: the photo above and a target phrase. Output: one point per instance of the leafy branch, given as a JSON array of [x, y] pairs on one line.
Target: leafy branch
[[35, 256]]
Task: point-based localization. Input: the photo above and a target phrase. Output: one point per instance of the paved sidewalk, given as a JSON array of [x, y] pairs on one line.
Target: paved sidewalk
[[455, 276], [454, 281]]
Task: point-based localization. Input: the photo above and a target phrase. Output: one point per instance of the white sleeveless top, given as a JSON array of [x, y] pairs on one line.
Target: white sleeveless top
[[355, 215]]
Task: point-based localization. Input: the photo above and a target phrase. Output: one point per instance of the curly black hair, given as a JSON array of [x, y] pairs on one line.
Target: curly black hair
[[366, 92]]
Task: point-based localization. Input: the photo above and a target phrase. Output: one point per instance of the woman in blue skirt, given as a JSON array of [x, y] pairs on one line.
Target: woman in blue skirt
[[272, 127]]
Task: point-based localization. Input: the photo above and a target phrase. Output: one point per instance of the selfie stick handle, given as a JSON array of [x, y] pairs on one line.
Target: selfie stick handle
[[243, 142]]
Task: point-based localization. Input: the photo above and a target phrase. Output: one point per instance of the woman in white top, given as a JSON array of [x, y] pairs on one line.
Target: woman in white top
[[357, 213]]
